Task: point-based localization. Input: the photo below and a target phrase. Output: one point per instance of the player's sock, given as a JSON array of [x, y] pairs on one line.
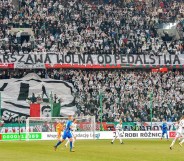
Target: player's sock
[[70, 145], [167, 137], [67, 143], [121, 141], [73, 142], [113, 139], [173, 142], [58, 143], [162, 136], [182, 141]]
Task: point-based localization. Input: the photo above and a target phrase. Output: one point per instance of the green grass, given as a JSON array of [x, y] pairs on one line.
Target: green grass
[[92, 150]]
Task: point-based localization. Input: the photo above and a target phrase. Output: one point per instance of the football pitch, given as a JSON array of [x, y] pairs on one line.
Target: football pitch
[[92, 150]]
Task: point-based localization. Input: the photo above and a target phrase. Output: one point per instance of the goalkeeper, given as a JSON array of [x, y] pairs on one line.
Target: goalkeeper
[[118, 132], [59, 129]]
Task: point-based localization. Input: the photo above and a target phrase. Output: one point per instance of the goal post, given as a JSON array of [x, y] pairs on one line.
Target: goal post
[[48, 124]]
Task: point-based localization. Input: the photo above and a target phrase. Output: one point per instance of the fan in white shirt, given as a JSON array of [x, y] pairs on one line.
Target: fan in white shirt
[[118, 132], [179, 132]]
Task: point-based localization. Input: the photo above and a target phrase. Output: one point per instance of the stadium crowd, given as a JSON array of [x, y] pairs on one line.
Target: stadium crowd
[[93, 27], [126, 94], [83, 26]]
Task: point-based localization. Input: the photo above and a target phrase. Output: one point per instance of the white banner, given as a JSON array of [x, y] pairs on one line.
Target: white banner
[[108, 135], [89, 135], [38, 60], [79, 135]]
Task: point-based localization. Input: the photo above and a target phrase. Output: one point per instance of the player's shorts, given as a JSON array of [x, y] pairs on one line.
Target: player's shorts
[[118, 133], [164, 132], [67, 134], [180, 132], [73, 134]]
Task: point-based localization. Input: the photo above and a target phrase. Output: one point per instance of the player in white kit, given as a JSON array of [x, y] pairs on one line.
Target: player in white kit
[[179, 132], [119, 130], [73, 130]]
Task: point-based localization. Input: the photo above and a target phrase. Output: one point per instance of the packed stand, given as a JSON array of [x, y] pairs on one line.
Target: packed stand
[[126, 94], [80, 26]]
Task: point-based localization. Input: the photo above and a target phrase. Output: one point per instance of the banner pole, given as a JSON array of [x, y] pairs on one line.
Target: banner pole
[[0, 107], [19, 127], [151, 112], [51, 103], [101, 111]]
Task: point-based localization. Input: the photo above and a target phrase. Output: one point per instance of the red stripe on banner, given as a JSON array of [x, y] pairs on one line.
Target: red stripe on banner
[[2, 65], [35, 110], [89, 66], [0, 136], [10, 65]]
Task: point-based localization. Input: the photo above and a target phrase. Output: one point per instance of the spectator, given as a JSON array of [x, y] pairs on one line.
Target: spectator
[[83, 27], [33, 98]]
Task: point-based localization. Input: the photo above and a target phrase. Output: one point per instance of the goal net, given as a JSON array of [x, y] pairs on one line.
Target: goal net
[[48, 125]]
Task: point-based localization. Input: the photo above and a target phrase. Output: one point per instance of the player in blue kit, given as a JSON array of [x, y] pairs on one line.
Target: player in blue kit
[[164, 129], [66, 134]]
